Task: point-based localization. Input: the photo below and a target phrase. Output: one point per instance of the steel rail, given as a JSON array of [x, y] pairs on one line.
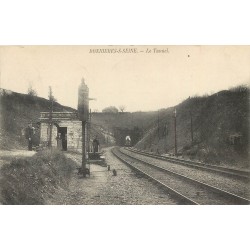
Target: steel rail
[[197, 165], [186, 200], [236, 198]]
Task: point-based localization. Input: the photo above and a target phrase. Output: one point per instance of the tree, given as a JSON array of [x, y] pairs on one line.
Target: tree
[[110, 109], [51, 97], [122, 108], [31, 91]]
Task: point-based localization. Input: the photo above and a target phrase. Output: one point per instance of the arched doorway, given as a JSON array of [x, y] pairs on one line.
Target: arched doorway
[[62, 135]]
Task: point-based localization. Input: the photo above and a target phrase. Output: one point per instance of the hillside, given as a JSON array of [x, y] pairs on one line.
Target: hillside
[[220, 128], [125, 123], [16, 112], [220, 125]]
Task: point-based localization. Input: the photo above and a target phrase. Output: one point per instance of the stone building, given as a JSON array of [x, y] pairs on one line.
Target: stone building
[[66, 130]]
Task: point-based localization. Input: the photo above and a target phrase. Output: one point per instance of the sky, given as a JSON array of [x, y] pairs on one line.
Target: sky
[[141, 81]]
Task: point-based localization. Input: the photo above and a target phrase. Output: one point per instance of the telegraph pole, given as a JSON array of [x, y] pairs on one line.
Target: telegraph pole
[[166, 134], [158, 123], [50, 117], [191, 126], [175, 135]]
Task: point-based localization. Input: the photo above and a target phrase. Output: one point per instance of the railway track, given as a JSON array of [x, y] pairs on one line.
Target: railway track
[[197, 165], [185, 189]]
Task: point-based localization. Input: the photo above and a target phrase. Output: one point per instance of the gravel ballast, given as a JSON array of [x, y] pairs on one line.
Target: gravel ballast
[[230, 184], [103, 188]]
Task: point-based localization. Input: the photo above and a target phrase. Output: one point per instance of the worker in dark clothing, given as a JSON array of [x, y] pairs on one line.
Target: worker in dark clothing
[[95, 145], [29, 132]]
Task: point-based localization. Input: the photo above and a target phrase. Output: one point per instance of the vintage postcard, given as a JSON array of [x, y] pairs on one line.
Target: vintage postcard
[[124, 125]]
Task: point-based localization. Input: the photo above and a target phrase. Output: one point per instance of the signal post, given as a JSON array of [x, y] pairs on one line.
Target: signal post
[[83, 115]]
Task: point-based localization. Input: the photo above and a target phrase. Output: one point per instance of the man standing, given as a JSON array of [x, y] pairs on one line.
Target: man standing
[[29, 132], [95, 145], [59, 141]]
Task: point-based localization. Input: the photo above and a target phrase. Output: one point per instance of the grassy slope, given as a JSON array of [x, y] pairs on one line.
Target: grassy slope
[[32, 180], [16, 111], [215, 118]]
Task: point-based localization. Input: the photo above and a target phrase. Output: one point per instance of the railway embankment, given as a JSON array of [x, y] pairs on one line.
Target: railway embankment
[[211, 128], [33, 180]]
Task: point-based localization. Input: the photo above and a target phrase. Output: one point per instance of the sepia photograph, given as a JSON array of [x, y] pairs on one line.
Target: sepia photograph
[[124, 125]]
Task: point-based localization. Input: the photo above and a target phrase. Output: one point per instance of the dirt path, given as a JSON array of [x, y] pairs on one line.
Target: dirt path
[[102, 188]]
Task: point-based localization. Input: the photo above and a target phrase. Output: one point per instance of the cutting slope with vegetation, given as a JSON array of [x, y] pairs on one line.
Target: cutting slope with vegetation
[[32, 180], [220, 125], [16, 112]]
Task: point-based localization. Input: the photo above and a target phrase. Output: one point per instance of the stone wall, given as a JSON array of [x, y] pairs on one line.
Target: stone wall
[[44, 136], [74, 134]]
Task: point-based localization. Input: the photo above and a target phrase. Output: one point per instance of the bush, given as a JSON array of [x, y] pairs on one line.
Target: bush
[[31, 180], [111, 109], [240, 88]]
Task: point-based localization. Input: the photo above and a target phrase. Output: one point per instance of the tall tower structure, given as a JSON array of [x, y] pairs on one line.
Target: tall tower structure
[[83, 115]]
